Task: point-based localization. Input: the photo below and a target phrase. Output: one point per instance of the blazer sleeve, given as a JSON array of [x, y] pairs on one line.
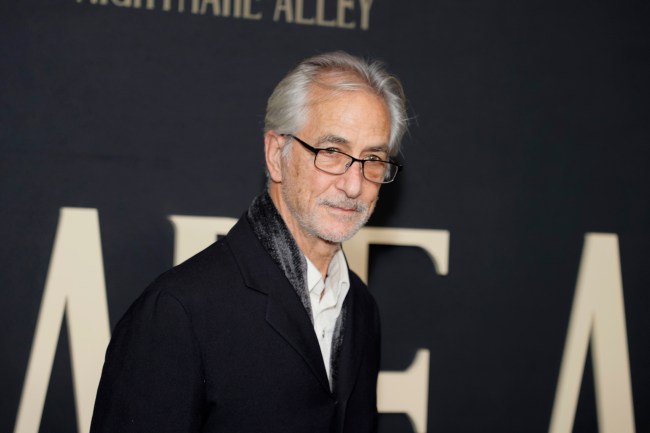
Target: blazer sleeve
[[152, 379]]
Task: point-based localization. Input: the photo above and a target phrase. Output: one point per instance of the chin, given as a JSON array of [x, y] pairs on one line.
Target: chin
[[341, 235]]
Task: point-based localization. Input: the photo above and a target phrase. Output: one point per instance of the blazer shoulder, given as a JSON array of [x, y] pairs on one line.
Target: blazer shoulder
[[215, 260], [214, 269]]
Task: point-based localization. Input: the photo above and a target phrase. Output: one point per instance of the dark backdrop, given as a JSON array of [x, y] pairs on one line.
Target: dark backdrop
[[530, 128]]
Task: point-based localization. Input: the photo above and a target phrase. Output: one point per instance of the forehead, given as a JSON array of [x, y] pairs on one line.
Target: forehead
[[355, 115]]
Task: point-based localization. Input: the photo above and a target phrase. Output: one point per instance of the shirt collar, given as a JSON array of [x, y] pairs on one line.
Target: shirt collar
[[337, 275]]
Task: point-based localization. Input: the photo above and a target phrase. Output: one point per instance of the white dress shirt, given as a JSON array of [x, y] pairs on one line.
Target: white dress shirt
[[326, 301]]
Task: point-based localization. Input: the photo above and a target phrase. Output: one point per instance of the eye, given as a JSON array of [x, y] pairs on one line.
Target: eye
[[372, 158], [329, 154], [330, 151]]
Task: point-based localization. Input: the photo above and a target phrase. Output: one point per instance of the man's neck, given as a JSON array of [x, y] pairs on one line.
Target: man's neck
[[321, 256]]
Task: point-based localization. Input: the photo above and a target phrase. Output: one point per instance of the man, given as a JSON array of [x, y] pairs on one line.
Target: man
[[267, 330]]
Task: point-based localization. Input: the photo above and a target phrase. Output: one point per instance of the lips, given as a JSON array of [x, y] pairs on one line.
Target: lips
[[345, 205], [346, 209]]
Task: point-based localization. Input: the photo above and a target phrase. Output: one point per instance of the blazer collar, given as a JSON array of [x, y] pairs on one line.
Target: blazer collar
[[285, 311], [348, 361], [287, 315]]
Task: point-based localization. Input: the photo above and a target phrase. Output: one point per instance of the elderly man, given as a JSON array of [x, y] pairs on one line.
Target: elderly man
[[267, 330]]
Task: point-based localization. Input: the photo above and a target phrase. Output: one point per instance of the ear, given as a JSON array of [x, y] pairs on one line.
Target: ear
[[273, 144]]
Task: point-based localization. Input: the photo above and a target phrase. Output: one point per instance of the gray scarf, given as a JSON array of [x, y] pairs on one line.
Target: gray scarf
[[272, 232]]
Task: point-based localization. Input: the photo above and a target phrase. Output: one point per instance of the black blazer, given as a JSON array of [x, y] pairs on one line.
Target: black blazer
[[222, 343]]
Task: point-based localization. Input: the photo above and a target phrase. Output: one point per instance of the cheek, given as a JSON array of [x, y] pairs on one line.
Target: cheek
[[371, 194], [321, 185], [307, 186]]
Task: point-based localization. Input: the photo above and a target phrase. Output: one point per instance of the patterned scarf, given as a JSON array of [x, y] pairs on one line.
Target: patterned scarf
[[270, 229], [273, 233]]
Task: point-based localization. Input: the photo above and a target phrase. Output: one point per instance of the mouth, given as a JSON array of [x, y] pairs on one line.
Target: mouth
[[344, 209], [345, 206]]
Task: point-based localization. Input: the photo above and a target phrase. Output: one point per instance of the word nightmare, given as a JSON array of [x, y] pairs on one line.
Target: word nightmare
[[344, 14]]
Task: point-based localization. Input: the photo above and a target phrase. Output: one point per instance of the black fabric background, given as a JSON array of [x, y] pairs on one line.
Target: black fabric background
[[530, 127]]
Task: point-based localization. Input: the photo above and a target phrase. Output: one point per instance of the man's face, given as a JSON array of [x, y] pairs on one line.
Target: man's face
[[334, 207]]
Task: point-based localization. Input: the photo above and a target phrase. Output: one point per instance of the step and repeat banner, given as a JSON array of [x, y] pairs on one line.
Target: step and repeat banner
[[509, 259]]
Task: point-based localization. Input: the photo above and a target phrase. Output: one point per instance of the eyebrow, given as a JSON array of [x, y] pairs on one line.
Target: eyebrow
[[337, 139], [330, 138]]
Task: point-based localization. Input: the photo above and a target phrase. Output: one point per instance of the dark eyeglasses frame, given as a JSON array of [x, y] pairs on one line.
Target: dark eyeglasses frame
[[315, 151]]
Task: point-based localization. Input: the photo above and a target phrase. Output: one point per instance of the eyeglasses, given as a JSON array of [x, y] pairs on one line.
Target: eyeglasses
[[333, 161]]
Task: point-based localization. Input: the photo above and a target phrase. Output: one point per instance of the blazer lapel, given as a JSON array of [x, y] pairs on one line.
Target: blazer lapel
[[349, 358], [288, 317], [285, 313]]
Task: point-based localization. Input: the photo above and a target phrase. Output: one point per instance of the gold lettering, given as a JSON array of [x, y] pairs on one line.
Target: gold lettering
[[283, 6], [300, 19], [122, 3], [75, 291], [343, 5], [216, 7], [597, 318], [195, 6], [151, 4], [225, 8], [247, 11], [94, 2], [320, 15], [434, 242], [365, 13], [407, 391], [194, 233]]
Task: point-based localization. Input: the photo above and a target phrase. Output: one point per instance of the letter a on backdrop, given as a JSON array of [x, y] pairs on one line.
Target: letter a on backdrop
[[75, 284], [598, 315]]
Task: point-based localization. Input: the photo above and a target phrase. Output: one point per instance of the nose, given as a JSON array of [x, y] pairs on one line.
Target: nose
[[352, 180]]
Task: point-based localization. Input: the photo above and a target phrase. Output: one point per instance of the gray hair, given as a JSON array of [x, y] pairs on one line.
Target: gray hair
[[287, 107]]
